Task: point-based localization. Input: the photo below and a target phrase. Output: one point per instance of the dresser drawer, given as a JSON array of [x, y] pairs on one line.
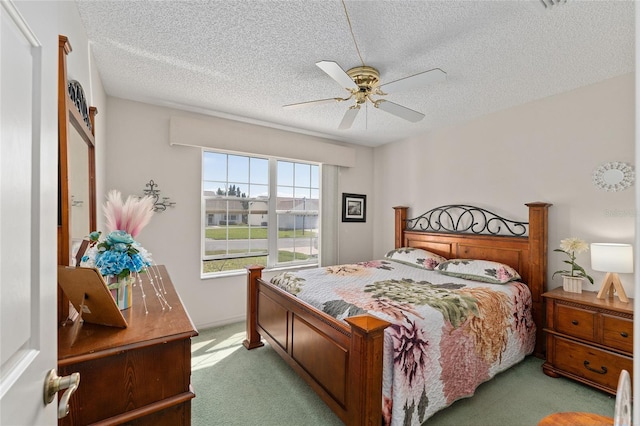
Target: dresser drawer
[[617, 333], [575, 322], [590, 363]]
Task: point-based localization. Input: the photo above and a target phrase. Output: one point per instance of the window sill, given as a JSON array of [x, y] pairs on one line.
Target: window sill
[[243, 272]]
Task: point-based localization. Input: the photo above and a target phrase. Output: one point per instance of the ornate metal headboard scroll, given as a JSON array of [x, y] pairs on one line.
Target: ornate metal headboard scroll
[[459, 218]]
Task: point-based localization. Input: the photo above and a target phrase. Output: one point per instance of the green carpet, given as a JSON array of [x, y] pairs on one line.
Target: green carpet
[[235, 386]]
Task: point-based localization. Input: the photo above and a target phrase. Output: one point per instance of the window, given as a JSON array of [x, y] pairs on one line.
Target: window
[[243, 223]]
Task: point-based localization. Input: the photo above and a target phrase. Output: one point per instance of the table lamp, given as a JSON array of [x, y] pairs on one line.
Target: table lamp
[[612, 258]]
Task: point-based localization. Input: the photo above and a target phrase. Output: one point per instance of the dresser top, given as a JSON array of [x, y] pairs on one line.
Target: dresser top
[[79, 342], [589, 298]]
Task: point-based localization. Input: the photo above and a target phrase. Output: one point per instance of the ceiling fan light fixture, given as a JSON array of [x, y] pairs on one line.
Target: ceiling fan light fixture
[[365, 76], [363, 83]]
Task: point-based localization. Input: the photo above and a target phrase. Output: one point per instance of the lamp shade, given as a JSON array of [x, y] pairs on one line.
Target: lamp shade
[[612, 257]]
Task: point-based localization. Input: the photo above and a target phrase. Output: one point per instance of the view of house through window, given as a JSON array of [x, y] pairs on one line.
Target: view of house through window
[[244, 223]]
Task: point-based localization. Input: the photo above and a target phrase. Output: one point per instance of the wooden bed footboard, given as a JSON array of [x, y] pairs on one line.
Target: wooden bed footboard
[[342, 363]]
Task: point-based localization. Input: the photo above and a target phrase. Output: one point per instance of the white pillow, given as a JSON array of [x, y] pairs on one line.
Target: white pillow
[[416, 257], [479, 270]]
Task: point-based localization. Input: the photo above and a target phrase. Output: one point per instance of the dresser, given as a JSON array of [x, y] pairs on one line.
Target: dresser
[[140, 375], [588, 339]]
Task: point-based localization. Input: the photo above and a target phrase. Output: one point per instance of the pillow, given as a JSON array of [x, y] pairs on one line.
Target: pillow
[[416, 257], [479, 270]]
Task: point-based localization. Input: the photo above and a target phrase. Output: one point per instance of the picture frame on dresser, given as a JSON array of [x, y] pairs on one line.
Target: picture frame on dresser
[[90, 296], [589, 340]]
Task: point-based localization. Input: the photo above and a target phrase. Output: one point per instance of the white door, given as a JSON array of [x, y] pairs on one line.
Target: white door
[[28, 343]]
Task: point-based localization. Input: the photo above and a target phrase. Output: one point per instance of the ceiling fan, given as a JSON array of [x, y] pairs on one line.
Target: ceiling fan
[[363, 83]]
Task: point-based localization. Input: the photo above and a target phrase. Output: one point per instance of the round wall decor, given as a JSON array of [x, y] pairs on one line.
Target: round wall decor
[[613, 176]]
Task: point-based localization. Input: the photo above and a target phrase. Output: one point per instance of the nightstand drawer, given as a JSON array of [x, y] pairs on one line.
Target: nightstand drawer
[[575, 322], [590, 363], [618, 333]]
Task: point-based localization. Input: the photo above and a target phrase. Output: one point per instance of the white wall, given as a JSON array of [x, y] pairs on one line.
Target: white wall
[[138, 150], [356, 238], [541, 151]]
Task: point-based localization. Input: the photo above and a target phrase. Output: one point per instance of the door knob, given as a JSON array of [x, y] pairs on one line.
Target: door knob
[[54, 383]]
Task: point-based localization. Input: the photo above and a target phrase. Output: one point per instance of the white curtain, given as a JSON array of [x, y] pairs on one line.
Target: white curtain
[[329, 215]]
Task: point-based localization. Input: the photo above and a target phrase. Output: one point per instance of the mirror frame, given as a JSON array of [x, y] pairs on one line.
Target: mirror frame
[[72, 111], [622, 171]]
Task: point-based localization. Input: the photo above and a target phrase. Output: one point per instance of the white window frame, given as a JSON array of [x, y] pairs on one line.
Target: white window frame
[[272, 219]]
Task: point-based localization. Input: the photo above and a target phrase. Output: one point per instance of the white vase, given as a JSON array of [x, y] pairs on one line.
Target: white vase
[[572, 284]]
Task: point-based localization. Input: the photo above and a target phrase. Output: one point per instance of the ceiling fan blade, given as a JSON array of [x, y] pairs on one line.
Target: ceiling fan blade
[[399, 110], [334, 71], [349, 117], [415, 81], [316, 102]]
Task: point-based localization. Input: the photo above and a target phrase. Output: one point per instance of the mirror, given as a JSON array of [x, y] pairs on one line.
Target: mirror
[[613, 176], [76, 168], [79, 216]]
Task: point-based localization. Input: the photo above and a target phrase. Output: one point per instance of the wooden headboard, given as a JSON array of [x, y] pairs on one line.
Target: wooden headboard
[[462, 231]]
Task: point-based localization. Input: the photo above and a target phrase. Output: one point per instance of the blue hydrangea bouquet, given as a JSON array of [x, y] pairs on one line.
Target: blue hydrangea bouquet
[[118, 256]]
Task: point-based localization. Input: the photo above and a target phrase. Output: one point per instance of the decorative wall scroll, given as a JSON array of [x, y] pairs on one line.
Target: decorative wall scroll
[[159, 205]]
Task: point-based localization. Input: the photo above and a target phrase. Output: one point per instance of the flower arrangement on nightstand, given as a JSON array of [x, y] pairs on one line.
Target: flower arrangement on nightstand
[[572, 279]]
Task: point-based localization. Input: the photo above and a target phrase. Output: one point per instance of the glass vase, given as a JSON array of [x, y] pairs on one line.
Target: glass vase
[[121, 290]]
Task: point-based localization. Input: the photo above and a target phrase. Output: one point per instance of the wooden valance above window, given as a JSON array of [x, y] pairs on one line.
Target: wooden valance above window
[[234, 136]]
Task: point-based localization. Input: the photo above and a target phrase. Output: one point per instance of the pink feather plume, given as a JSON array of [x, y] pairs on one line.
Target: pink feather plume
[[139, 214], [113, 210], [130, 216]]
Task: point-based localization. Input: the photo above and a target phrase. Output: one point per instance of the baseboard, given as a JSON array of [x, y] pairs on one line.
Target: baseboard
[[220, 323]]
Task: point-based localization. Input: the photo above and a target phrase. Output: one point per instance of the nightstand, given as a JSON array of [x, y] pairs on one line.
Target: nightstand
[[588, 339]]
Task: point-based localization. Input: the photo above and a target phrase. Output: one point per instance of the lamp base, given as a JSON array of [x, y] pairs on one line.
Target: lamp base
[[612, 282]]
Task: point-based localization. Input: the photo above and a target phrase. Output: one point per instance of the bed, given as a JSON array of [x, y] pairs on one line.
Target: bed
[[343, 350]]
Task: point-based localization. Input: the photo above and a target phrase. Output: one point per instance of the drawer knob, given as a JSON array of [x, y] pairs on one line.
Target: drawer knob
[[603, 369], [574, 322], [624, 334]]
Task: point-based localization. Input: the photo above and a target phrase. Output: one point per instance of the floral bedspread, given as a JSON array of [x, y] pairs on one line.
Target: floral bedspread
[[448, 335]]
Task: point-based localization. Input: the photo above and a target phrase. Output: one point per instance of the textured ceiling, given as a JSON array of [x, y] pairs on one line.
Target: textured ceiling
[[244, 60]]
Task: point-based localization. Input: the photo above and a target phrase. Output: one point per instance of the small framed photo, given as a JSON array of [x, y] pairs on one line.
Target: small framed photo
[[354, 208]]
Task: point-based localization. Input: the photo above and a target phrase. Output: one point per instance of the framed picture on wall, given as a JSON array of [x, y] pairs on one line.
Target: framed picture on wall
[[354, 208]]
